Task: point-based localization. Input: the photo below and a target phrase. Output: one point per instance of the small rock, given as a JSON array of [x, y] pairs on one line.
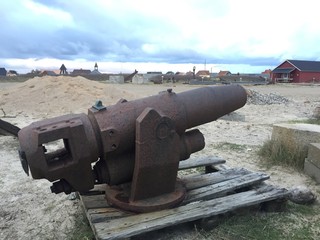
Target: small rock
[[302, 195], [72, 196], [316, 112], [264, 99]]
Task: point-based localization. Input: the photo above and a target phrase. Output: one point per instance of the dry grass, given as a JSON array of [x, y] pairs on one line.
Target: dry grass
[[277, 152]]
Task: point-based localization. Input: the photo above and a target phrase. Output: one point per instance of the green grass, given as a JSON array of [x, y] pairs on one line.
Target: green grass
[[279, 153], [309, 121], [81, 229], [231, 146], [297, 222]]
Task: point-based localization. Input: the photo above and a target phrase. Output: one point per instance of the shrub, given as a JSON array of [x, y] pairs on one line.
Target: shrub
[[279, 153]]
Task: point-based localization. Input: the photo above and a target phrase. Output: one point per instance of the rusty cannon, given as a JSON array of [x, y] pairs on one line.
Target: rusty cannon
[[133, 146]]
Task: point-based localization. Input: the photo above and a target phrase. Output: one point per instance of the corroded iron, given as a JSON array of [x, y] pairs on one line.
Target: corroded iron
[[134, 146]]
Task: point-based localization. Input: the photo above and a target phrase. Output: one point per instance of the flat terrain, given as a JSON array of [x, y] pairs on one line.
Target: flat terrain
[[28, 210]]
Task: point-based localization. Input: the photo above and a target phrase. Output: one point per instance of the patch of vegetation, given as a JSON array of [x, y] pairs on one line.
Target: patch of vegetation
[[49, 208], [81, 229], [309, 121], [279, 153], [231, 146], [298, 222]]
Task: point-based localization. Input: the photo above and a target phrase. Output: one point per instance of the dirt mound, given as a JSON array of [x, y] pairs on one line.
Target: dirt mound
[[51, 96]]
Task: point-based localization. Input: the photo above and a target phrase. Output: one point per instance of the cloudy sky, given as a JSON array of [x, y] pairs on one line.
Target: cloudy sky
[[153, 35]]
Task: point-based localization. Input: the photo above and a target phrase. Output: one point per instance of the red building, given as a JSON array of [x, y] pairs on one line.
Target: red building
[[297, 71]]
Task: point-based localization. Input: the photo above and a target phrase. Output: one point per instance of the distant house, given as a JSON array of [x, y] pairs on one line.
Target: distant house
[[266, 73], [12, 73], [224, 73], [48, 73], [3, 72], [128, 78], [81, 72], [203, 74], [297, 71]]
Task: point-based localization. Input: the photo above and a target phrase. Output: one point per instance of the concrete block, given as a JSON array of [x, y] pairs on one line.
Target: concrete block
[[296, 135], [312, 170], [314, 153]]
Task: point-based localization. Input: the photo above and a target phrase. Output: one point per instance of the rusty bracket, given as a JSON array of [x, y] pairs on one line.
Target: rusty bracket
[[154, 185]]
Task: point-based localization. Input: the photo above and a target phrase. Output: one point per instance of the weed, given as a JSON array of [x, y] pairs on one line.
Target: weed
[[279, 153], [231, 146], [298, 222], [81, 229], [309, 121], [48, 209]]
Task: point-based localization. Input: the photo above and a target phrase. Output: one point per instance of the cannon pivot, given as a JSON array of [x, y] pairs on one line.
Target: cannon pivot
[[133, 146]]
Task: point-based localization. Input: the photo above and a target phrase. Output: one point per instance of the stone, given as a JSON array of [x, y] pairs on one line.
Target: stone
[[314, 153], [316, 113], [312, 170], [302, 195]]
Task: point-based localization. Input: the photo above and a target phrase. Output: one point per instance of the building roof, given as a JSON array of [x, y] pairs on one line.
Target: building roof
[[95, 72], [308, 66], [224, 73], [267, 71], [48, 73], [81, 72], [203, 73]]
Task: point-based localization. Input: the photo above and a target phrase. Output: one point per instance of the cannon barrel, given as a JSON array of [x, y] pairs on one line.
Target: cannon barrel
[[110, 135], [187, 109]]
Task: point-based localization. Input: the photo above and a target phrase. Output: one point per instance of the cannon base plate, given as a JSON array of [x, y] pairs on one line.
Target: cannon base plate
[[119, 196]]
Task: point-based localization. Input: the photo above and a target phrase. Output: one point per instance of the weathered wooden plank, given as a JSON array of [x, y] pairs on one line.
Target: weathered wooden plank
[[103, 214], [94, 201], [222, 188], [141, 223], [200, 162], [220, 167], [192, 182]]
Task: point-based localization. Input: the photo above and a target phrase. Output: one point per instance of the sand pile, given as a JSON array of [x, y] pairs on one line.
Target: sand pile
[[52, 96]]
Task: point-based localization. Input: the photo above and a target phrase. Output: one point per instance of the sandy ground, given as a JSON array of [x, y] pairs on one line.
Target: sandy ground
[[28, 210]]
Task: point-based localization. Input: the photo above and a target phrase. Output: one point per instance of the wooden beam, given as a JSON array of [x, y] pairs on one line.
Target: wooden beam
[[197, 181], [200, 162], [221, 189]]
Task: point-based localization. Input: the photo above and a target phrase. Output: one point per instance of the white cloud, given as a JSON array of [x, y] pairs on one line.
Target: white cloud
[[180, 31]]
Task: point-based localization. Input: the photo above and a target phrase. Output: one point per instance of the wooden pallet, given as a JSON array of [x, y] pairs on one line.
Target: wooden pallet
[[208, 195]]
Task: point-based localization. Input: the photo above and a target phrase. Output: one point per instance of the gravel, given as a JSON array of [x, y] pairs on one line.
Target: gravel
[[257, 98]]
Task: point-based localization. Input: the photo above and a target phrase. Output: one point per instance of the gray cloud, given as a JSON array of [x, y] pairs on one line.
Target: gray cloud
[[172, 32]]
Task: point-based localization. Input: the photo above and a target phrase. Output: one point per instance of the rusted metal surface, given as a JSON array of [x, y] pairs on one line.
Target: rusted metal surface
[[138, 142], [72, 162], [119, 196]]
